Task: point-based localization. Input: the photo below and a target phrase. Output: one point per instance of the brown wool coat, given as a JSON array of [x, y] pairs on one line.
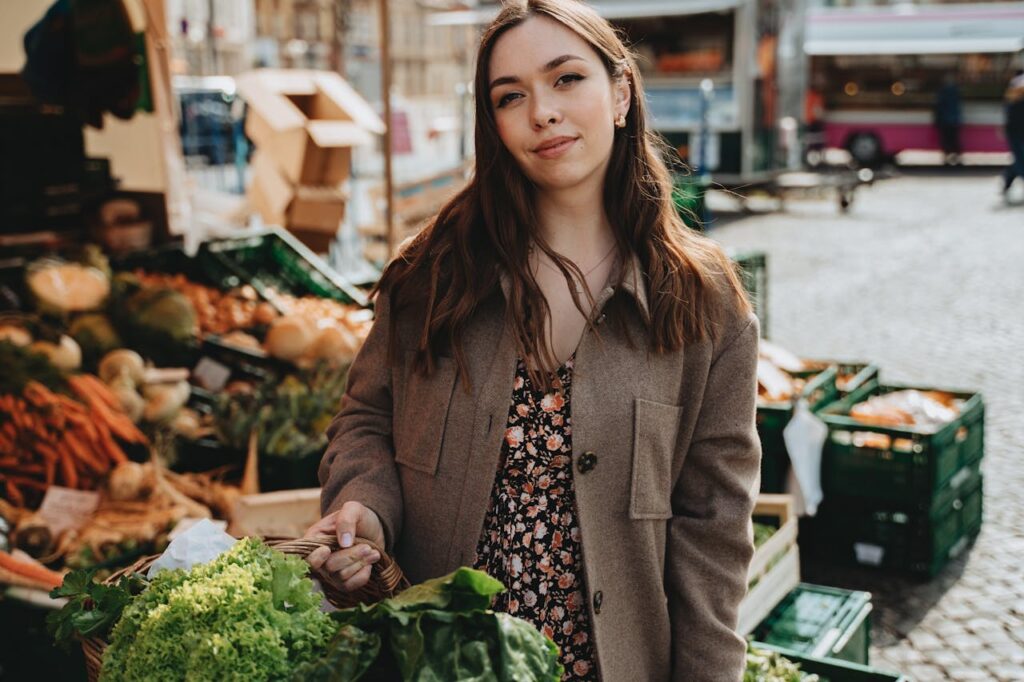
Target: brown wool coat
[[665, 512]]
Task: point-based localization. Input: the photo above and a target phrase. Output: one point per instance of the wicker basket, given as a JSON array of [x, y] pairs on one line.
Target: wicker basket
[[386, 580]]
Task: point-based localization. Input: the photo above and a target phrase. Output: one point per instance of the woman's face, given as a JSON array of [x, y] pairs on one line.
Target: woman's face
[[554, 104]]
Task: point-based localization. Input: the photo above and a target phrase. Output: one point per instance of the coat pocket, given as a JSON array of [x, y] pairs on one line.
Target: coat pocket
[[654, 443], [422, 410]]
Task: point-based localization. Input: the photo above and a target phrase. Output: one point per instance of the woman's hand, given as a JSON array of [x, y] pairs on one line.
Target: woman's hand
[[352, 563]]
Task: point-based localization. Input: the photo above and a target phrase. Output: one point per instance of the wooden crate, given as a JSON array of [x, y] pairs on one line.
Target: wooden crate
[[775, 568]]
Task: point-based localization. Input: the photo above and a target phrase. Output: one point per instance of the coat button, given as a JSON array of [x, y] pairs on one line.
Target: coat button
[[586, 462], [598, 600]]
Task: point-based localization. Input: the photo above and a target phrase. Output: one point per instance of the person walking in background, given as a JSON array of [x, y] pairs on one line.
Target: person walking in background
[[948, 119], [1014, 130]]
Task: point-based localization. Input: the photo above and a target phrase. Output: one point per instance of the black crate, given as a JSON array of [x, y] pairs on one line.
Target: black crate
[[896, 537]]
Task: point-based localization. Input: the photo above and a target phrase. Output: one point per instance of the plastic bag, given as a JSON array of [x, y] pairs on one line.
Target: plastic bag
[[805, 437], [204, 541]]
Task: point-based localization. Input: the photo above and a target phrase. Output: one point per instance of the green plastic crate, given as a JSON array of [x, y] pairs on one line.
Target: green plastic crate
[[753, 272], [275, 258], [832, 670], [824, 622], [819, 391], [851, 376], [897, 537], [905, 463]]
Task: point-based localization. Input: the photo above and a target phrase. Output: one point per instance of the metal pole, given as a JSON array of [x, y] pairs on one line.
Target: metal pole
[[385, 71]]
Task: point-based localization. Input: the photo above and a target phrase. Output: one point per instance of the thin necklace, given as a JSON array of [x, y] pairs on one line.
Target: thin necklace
[[585, 274]]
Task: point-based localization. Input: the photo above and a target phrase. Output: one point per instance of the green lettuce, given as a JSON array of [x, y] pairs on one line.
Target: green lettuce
[[250, 614]]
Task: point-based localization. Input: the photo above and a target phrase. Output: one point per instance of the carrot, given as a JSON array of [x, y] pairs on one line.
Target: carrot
[[110, 446], [27, 482], [51, 471], [14, 494], [38, 395], [86, 385], [47, 451], [83, 452], [10, 430], [9, 462], [67, 467], [20, 469], [120, 425], [31, 570]]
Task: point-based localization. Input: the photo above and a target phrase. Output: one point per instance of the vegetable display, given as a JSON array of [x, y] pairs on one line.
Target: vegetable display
[[52, 438], [289, 417]]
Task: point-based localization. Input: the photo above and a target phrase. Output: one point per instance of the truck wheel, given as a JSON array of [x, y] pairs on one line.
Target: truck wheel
[[866, 150]]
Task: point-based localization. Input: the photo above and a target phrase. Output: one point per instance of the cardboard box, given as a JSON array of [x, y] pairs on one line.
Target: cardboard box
[[319, 209], [314, 209], [307, 121], [318, 242], [270, 193]]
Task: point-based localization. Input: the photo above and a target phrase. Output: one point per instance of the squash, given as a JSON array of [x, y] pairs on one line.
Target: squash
[[61, 288]]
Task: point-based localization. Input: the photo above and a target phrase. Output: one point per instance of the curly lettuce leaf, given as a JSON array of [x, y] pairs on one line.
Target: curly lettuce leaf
[[247, 615]]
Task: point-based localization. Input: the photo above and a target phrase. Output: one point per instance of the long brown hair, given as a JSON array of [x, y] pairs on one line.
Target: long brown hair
[[451, 266]]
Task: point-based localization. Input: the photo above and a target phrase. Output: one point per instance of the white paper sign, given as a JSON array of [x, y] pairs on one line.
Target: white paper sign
[[66, 508]]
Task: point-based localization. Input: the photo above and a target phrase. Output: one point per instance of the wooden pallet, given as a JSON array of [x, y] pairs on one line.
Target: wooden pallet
[[775, 568]]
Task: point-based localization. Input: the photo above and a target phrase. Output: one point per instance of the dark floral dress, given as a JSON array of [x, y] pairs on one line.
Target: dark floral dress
[[531, 538]]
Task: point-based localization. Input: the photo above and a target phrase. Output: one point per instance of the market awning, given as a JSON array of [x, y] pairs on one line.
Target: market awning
[[610, 10], [916, 29]]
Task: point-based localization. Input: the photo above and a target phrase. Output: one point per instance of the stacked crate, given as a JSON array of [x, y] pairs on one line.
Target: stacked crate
[[826, 381], [901, 498]]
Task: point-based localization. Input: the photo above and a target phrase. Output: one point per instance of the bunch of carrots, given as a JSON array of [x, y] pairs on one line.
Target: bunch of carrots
[[49, 438]]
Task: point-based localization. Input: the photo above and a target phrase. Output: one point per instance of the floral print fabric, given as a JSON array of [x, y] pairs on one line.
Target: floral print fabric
[[531, 538]]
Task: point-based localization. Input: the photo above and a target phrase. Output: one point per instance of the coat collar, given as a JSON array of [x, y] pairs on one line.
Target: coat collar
[[629, 275]]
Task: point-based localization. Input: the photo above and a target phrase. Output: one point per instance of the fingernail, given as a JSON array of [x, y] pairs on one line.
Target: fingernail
[[346, 539], [365, 551], [375, 556]]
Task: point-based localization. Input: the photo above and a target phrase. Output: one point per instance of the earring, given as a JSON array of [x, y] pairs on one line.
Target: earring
[[620, 122]]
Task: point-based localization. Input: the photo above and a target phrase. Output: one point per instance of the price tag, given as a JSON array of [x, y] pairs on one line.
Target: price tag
[[66, 509], [211, 375]]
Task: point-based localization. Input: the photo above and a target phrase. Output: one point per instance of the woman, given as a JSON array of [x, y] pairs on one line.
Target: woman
[[559, 386]]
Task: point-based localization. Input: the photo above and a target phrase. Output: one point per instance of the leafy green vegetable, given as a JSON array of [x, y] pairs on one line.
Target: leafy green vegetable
[[351, 654], [250, 614], [92, 608], [762, 533], [290, 416], [770, 666], [22, 366], [443, 629]]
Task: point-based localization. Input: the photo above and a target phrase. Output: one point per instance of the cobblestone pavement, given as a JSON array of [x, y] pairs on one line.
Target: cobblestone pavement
[[925, 276]]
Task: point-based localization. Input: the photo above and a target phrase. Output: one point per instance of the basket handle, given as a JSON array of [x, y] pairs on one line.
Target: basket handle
[[386, 572]]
